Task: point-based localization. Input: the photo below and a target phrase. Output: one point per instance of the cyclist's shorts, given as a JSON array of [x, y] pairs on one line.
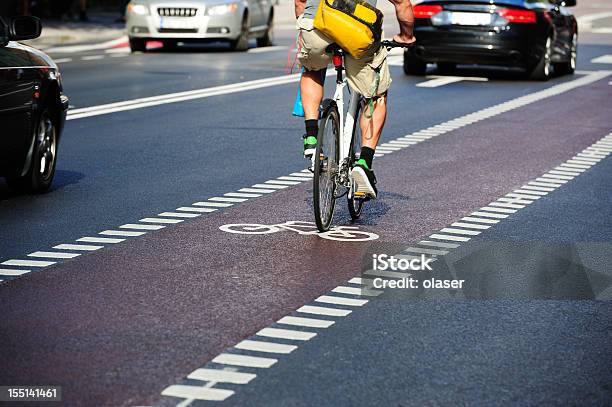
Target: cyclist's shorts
[[369, 75]]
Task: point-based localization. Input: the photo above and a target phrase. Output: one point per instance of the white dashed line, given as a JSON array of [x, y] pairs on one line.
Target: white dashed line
[[54, 255], [82, 247], [198, 210], [267, 347], [307, 322], [243, 360], [328, 299], [221, 376], [197, 393], [100, 240], [226, 199], [141, 227], [121, 233], [213, 204], [286, 334], [161, 220], [332, 312], [28, 263], [179, 215], [13, 273]]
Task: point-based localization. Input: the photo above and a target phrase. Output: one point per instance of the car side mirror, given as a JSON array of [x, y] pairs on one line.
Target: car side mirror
[[24, 28]]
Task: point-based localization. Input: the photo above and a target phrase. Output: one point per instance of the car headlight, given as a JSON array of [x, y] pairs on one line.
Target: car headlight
[[222, 9], [140, 9]]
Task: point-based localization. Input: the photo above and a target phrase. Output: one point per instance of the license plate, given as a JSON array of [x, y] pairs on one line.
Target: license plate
[[460, 18], [177, 23]]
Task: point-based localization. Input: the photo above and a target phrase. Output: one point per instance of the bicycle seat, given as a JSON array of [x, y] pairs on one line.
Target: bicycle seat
[[334, 49]]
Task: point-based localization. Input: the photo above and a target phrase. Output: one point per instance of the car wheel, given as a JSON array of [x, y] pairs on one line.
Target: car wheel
[[446, 67], [268, 38], [569, 67], [39, 177], [242, 42], [414, 65], [542, 70], [170, 44], [138, 45]]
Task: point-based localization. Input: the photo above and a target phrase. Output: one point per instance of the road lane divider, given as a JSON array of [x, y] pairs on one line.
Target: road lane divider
[[589, 155], [458, 233]]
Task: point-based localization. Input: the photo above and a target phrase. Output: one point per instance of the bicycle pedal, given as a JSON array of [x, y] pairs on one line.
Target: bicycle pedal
[[359, 194]]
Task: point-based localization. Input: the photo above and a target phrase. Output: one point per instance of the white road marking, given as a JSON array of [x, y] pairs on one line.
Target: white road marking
[[27, 263], [506, 205], [386, 274], [584, 160], [62, 60], [269, 186], [524, 191], [565, 171], [307, 322], [226, 199], [582, 166], [281, 182], [425, 251], [544, 184], [268, 347], [460, 231], [300, 179], [557, 182], [161, 220], [604, 59], [480, 220], [496, 209], [55, 255], [257, 190], [11, 272], [302, 174], [198, 210], [356, 280], [353, 302], [180, 96], [88, 47], [534, 188], [196, 393], [438, 244], [121, 233], [84, 247], [357, 291], [243, 360], [286, 334], [213, 204], [88, 239], [448, 237], [141, 227], [92, 57], [221, 376], [179, 215], [469, 225], [557, 176], [489, 215], [242, 195], [445, 80], [332, 312], [266, 49], [516, 200]]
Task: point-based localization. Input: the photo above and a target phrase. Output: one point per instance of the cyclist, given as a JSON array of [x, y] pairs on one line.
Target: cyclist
[[369, 76]]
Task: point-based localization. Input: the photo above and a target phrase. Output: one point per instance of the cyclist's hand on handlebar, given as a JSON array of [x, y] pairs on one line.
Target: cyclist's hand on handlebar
[[404, 39]]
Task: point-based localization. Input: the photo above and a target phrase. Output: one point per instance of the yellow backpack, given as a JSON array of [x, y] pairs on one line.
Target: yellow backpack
[[354, 25]]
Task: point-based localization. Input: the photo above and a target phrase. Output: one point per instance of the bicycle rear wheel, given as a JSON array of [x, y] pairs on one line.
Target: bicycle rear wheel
[[326, 167], [355, 205]]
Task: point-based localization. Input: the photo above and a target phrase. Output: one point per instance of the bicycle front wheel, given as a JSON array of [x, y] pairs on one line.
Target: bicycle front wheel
[[326, 167], [355, 205]]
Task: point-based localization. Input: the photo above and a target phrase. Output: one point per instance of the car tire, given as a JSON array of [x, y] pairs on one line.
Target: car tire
[[542, 70], [267, 39], [414, 65], [446, 67], [569, 67], [138, 45], [40, 175], [170, 45], [241, 43]]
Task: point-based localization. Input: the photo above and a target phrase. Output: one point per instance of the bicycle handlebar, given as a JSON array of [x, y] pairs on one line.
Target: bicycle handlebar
[[393, 44]]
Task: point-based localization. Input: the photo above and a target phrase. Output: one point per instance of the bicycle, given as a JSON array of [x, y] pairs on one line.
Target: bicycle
[[338, 233], [338, 142]]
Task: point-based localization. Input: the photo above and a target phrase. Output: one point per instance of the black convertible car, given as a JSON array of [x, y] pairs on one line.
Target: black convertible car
[[32, 108], [531, 34]]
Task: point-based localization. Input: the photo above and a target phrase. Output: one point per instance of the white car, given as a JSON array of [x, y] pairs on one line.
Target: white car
[[173, 21]]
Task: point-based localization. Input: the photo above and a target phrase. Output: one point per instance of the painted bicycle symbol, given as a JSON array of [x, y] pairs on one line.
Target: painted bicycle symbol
[[339, 233]]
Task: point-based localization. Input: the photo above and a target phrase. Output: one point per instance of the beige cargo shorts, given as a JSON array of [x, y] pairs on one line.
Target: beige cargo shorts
[[360, 73]]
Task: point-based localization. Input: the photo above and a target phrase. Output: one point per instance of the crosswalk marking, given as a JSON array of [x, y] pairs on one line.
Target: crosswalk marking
[[88, 239], [357, 291], [286, 334], [11, 272], [161, 220], [268, 347], [213, 204], [226, 199], [332, 312], [55, 255], [489, 215], [197, 393], [257, 190], [328, 299], [83, 247], [282, 182], [448, 237], [438, 244], [308, 322], [425, 251], [243, 360], [497, 209], [269, 186], [470, 225], [179, 214], [121, 233], [221, 376], [480, 220], [197, 210], [27, 263], [460, 231], [141, 227], [242, 195]]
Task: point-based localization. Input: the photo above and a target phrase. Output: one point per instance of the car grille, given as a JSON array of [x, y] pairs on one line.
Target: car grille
[[178, 30], [177, 11]]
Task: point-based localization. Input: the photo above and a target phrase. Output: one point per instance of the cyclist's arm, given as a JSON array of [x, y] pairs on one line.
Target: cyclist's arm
[[299, 7], [405, 18]]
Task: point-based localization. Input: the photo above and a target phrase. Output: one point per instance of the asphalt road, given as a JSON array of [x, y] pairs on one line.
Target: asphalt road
[[119, 325]]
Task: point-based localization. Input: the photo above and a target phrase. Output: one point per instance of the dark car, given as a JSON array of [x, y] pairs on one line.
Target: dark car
[[32, 108], [531, 34]]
